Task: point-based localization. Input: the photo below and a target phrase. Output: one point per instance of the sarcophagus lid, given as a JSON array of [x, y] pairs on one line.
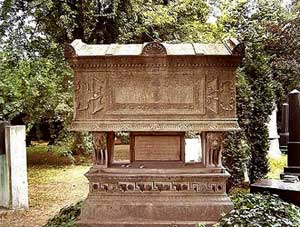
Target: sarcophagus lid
[[154, 86]]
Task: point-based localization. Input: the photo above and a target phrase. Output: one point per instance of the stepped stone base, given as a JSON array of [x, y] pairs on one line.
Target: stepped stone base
[[154, 199]]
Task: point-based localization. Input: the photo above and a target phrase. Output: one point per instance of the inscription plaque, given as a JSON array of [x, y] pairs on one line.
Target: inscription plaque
[[157, 148]]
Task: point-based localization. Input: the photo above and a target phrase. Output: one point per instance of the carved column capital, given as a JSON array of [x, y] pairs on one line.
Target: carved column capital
[[212, 149]]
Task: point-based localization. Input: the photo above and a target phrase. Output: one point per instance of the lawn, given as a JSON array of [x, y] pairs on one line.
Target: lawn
[[51, 187]]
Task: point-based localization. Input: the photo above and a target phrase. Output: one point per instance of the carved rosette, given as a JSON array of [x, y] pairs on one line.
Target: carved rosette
[[154, 48]]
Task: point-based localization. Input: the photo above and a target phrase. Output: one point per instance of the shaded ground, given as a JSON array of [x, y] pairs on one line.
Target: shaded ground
[[50, 189]]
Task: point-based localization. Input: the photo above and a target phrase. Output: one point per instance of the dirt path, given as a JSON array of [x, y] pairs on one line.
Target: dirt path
[[50, 189]]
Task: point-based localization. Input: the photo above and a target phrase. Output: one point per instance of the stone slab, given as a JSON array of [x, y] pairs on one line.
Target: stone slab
[[152, 210], [159, 148], [83, 49], [289, 192]]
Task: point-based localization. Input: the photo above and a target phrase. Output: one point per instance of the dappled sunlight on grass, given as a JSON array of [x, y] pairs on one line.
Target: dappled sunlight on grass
[[50, 189]]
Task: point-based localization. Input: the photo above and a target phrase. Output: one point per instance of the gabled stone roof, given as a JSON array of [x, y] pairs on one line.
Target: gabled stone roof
[[78, 48]]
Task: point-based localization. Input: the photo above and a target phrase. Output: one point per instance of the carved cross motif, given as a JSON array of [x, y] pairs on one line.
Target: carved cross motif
[[95, 95]]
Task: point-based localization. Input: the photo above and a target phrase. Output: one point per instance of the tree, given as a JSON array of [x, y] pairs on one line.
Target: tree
[[270, 33]]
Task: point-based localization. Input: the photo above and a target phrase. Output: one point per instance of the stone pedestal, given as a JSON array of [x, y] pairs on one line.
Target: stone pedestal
[[154, 197]]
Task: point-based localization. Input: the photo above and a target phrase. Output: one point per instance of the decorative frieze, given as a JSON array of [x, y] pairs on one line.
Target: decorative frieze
[[153, 186], [216, 125]]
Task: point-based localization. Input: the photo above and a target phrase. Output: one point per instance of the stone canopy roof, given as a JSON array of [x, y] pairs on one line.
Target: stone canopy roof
[[229, 47]]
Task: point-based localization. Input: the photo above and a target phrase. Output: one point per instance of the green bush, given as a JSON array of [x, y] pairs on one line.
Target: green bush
[[66, 217], [255, 210]]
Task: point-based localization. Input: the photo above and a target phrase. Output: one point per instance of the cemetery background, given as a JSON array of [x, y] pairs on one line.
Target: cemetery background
[[35, 80]]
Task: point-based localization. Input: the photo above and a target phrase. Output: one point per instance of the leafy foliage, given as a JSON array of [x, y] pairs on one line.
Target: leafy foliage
[[254, 210], [257, 24], [36, 82], [66, 217], [34, 89]]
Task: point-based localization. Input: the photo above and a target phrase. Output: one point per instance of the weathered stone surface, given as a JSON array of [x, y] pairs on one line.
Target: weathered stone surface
[[159, 148], [83, 49], [152, 89], [14, 185], [155, 200], [156, 92]]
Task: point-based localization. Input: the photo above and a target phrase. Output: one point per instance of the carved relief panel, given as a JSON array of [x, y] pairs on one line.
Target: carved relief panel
[[166, 97]]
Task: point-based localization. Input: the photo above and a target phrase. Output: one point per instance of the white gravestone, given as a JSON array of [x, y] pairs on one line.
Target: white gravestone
[[14, 185], [274, 151]]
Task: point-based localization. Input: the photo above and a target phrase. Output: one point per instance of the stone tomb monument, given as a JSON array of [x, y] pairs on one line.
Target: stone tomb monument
[[156, 92]]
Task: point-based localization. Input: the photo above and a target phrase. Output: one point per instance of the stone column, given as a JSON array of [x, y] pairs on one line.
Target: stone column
[[212, 146], [294, 135], [284, 134], [14, 185], [103, 143]]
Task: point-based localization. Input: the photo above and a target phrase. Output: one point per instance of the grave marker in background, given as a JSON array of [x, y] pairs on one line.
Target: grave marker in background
[[293, 167], [284, 134], [13, 170], [274, 151]]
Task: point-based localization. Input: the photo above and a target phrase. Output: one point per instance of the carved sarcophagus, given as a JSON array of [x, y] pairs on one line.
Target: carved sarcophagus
[[157, 92]]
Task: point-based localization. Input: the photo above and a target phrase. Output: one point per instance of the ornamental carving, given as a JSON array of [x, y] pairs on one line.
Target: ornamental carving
[[152, 186], [212, 97], [150, 126], [214, 148], [90, 95], [227, 96], [154, 48], [100, 156]]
